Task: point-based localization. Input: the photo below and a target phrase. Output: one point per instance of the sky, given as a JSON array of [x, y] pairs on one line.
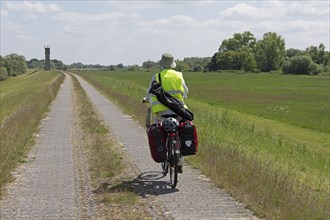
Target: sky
[[132, 32]]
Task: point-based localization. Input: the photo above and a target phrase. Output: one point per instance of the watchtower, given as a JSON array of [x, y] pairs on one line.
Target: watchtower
[[47, 57]]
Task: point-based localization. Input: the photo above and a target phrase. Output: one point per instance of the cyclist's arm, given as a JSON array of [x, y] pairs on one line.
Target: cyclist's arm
[[185, 93], [148, 93]]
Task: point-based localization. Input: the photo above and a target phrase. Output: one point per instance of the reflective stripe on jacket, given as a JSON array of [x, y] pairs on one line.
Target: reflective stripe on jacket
[[171, 81]]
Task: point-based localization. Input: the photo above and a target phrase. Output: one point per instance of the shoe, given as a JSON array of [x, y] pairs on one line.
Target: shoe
[[180, 169]]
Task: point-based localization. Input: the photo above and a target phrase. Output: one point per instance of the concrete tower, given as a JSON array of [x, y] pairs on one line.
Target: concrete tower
[[47, 57]]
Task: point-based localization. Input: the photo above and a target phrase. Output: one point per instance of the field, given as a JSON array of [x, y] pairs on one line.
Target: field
[[264, 137], [24, 101]]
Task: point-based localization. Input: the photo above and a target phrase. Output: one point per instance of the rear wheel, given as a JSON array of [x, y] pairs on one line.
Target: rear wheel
[[173, 171], [164, 167]]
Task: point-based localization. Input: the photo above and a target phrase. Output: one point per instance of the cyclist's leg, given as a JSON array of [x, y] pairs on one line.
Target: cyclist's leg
[[180, 164]]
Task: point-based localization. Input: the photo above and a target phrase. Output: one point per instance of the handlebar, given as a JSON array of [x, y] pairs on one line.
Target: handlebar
[[145, 100]]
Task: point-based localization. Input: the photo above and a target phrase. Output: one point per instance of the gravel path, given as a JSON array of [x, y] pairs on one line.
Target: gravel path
[[195, 196], [49, 184]]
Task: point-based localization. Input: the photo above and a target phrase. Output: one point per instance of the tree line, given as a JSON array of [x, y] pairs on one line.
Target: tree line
[[14, 64], [244, 52], [11, 65], [240, 52]]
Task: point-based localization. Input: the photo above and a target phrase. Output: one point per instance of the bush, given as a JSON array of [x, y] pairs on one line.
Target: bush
[[301, 65], [3, 73], [326, 69]]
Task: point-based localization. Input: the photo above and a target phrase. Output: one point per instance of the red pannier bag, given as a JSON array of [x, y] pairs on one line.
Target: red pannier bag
[[188, 138], [157, 142]]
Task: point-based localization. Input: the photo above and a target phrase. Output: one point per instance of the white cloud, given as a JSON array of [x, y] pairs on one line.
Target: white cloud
[[32, 6], [241, 9], [205, 2], [172, 21], [98, 19], [276, 10], [287, 18], [18, 32], [132, 4], [110, 32], [30, 17], [299, 8]]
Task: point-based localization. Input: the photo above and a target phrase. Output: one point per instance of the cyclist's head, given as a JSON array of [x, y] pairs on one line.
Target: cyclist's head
[[169, 124], [167, 61]]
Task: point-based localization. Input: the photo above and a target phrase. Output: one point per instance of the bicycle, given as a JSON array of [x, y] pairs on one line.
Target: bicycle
[[173, 153], [172, 146]]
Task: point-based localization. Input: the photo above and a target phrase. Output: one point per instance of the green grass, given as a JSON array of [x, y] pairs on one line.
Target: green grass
[[24, 101], [15, 91], [274, 159], [302, 101], [105, 161]]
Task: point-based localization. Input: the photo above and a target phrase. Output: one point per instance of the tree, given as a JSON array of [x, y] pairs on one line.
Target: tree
[[58, 64], [326, 60], [239, 41], [229, 60], [150, 64], [291, 52], [77, 65], [233, 60], [248, 61], [300, 65], [120, 66], [3, 73], [317, 53], [236, 53], [181, 66], [34, 63], [270, 52], [197, 64], [15, 64], [213, 65], [133, 68]]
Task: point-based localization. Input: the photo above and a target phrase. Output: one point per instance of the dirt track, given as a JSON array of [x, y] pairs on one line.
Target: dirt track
[[48, 185], [53, 184]]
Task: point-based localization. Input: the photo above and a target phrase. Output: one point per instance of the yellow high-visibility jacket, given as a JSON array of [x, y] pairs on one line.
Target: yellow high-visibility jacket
[[172, 82]]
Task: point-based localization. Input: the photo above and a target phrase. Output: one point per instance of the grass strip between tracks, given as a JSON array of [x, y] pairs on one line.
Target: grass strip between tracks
[[110, 167]]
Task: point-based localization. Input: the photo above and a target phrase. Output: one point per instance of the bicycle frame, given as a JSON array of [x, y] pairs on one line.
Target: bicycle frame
[[173, 155]]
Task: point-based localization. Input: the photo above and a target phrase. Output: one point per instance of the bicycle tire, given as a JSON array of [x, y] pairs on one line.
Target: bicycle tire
[[173, 171], [164, 167]]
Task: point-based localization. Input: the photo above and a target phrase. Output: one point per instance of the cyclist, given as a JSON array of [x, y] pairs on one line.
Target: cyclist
[[172, 82]]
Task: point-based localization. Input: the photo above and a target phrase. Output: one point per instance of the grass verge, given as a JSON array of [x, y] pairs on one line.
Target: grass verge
[[109, 165], [24, 101], [262, 162]]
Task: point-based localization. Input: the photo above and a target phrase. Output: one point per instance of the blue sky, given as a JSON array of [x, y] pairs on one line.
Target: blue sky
[[131, 32]]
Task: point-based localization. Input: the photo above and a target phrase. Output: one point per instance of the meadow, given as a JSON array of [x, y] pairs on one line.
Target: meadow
[[24, 101], [264, 137]]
